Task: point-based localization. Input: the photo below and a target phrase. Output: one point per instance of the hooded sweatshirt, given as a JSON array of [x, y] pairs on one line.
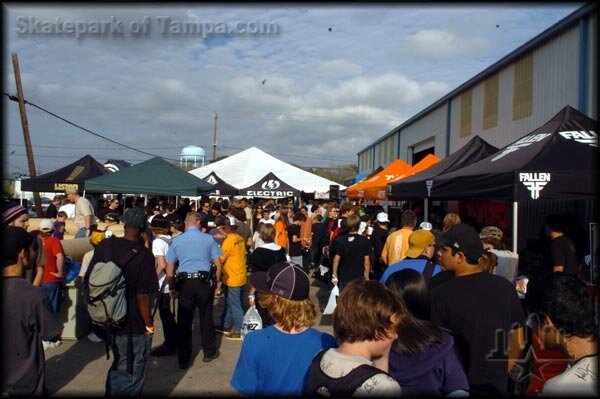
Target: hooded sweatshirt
[[435, 372], [233, 258]]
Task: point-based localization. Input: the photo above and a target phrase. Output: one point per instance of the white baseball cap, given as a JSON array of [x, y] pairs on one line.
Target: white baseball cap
[[426, 226], [382, 217], [46, 225]]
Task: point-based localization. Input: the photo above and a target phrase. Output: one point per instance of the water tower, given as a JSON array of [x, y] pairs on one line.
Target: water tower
[[192, 156]]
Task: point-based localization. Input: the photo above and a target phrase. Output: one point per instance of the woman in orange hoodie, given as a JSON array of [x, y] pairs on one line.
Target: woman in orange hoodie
[[233, 259]]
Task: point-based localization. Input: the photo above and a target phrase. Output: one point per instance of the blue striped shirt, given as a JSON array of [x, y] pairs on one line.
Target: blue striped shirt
[[194, 251]]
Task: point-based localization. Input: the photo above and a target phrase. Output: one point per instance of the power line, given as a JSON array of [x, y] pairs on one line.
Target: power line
[[13, 98]]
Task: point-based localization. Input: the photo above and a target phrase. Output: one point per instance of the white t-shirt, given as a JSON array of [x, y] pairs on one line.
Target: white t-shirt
[[160, 248], [335, 364], [580, 379], [85, 263], [69, 209]]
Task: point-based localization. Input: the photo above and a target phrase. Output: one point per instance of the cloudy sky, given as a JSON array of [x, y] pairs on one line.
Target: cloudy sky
[[330, 80]]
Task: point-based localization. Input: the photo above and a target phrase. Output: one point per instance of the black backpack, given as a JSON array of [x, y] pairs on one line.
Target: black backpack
[[320, 384]]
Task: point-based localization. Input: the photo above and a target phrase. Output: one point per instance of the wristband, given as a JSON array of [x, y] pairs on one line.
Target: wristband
[[251, 296], [150, 329]]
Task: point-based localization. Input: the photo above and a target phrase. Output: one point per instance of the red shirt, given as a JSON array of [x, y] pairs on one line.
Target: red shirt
[[53, 247]]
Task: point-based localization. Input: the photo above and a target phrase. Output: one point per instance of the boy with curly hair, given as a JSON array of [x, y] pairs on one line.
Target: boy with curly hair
[[275, 360]]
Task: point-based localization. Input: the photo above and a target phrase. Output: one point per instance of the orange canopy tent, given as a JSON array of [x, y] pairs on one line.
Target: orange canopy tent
[[378, 190], [396, 168]]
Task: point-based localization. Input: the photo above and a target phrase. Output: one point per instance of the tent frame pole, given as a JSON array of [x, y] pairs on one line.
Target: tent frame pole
[[426, 210], [515, 226]]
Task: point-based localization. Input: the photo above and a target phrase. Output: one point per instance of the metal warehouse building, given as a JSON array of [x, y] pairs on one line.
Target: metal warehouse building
[[503, 103], [506, 101]]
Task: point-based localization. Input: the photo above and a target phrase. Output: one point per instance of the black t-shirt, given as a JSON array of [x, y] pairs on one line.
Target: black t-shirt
[[318, 234], [480, 310], [262, 258], [140, 276], [352, 249], [295, 247], [27, 320], [51, 211], [378, 240], [563, 253]]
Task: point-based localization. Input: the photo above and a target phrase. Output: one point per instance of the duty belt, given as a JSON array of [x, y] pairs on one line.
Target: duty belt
[[204, 276]]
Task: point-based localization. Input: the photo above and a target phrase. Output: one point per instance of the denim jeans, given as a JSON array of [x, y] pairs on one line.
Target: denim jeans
[[233, 314], [297, 260], [53, 292], [119, 382], [80, 233]]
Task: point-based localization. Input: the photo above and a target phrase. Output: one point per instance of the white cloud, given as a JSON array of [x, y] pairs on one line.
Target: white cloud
[[339, 69], [437, 43], [307, 91]]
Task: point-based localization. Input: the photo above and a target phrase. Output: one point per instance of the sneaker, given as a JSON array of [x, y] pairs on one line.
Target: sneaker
[[223, 330], [94, 338], [234, 336], [163, 350], [207, 359], [47, 345], [56, 344]]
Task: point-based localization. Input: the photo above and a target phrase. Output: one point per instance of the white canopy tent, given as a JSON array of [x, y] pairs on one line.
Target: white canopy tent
[[247, 167]]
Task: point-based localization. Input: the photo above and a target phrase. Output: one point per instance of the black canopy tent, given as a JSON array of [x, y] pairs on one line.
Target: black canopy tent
[[270, 186], [415, 187], [556, 161], [71, 176], [220, 187]]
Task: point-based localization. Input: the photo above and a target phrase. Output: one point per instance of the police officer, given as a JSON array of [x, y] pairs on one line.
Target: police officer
[[194, 251]]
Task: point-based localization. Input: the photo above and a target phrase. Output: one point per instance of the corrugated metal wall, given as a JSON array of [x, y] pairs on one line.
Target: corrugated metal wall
[[593, 66], [431, 125], [555, 84]]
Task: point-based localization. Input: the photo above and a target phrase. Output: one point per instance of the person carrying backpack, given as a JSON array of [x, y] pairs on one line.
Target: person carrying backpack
[[121, 283]]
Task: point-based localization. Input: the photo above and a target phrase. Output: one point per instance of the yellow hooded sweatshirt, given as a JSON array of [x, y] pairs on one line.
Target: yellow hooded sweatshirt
[[233, 259]]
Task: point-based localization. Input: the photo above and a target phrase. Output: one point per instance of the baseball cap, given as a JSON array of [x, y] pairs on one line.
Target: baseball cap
[[382, 217], [160, 222], [491, 231], [425, 226], [134, 217], [284, 279], [465, 239], [14, 239], [46, 225], [11, 211], [418, 241]]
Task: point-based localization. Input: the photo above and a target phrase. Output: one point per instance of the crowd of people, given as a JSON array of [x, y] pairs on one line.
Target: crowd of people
[[425, 308]]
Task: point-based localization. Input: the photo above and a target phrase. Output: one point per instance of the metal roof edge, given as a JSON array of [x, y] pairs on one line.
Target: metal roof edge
[[558, 27]]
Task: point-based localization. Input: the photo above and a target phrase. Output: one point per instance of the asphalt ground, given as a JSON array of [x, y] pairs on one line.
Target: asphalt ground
[[79, 367]]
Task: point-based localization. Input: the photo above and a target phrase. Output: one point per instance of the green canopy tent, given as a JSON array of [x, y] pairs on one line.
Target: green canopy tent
[[154, 176]]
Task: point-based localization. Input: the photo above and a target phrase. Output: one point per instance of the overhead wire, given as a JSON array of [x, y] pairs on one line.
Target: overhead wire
[[14, 98]]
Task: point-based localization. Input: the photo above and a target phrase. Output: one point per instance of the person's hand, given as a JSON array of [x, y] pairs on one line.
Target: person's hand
[[56, 274], [173, 293], [334, 280], [251, 300]]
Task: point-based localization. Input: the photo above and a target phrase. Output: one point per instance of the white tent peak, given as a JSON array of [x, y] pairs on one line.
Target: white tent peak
[[247, 167]]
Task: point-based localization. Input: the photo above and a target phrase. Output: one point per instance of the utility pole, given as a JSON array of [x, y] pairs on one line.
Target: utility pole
[[214, 157], [25, 124]]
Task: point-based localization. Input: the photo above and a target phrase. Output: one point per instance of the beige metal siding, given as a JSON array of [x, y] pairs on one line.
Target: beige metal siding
[[555, 85], [432, 125]]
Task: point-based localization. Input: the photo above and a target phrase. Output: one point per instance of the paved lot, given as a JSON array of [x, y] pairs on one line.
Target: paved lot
[[79, 368]]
